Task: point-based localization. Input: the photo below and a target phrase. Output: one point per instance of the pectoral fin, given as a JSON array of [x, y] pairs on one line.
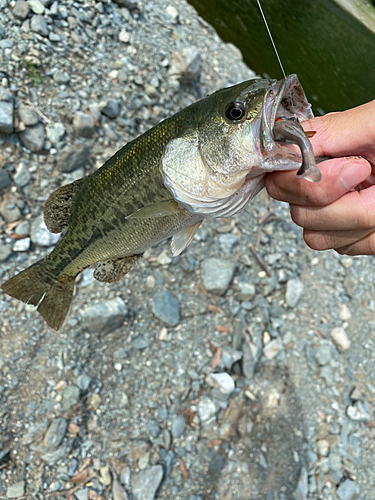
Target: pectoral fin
[[110, 271], [162, 209], [59, 205], [182, 239]]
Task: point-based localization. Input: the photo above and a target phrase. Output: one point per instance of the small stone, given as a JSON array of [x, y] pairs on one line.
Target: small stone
[[217, 274], [28, 115], [73, 157], [38, 25], [153, 428], [22, 176], [139, 342], [302, 489], [346, 262], [221, 381], [83, 382], [206, 409], [229, 240], [323, 355], [5, 180], [229, 357], [172, 13], [340, 339], [93, 402], [10, 212], [294, 290], [335, 461], [21, 9], [105, 316], [105, 476], [55, 433], [124, 36], [55, 132], [164, 259], [358, 412], [61, 77], [118, 492], [125, 475], [186, 64], [111, 109], [40, 235], [272, 349], [245, 425], [346, 490], [70, 396], [36, 6], [246, 290], [22, 245], [323, 447], [83, 124], [16, 490], [33, 137], [166, 308], [6, 117], [146, 483], [178, 425], [5, 252], [344, 312]]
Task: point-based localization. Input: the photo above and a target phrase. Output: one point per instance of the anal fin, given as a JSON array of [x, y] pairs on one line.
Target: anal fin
[[58, 206], [110, 271], [182, 239]]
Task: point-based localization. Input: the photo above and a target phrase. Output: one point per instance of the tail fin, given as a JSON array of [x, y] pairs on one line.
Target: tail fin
[[36, 286]]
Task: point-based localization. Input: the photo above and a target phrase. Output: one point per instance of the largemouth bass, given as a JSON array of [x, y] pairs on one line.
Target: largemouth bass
[[208, 160]]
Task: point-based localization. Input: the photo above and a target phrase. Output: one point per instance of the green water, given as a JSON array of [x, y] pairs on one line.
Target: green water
[[331, 51]]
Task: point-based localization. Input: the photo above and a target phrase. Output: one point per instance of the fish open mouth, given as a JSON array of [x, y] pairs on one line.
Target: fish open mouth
[[285, 106]]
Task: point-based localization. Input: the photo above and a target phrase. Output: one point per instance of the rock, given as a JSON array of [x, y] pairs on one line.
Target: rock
[[248, 362], [186, 64], [83, 382], [28, 115], [344, 312], [51, 457], [16, 490], [294, 290], [5, 180], [272, 349], [5, 252], [111, 109], [302, 489], [246, 290], [166, 308], [228, 357], [21, 9], [323, 355], [346, 490], [178, 425], [221, 381], [357, 411], [229, 240], [124, 36], [6, 117], [36, 6], [33, 137], [335, 461], [55, 132], [70, 396], [153, 428], [61, 77], [323, 447], [340, 339], [73, 157], [105, 476], [38, 25], [172, 13], [145, 483], [164, 258], [105, 317], [10, 212], [23, 228], [245, 425], [83, 124], [139, 342], [55, 433], [22, 176], [40, 235], [217, 274], [206, 410], [118, 492], [22, 245]]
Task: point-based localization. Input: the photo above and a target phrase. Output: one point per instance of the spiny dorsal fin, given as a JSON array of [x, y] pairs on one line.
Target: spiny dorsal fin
[[59, 205]]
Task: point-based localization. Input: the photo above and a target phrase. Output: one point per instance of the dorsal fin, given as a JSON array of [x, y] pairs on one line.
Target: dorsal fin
[[58, 207]]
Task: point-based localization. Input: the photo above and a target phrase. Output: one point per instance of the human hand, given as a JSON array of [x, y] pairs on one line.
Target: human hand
[[339, 211]]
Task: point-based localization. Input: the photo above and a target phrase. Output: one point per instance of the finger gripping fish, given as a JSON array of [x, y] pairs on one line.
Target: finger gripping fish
[[208, 160]]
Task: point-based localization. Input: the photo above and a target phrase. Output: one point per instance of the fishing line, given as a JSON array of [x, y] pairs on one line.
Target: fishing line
[[269, 34]]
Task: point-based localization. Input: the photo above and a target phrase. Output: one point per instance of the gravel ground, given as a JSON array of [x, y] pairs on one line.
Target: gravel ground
[[242, 369]]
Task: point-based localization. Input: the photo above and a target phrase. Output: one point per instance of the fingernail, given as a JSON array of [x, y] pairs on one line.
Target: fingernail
[[353, 174]]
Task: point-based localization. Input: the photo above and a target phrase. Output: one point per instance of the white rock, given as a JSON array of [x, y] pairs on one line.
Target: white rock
[[221, 381], [272, 349], [206, 410], [323, 447], [340, 338], [344, 312]]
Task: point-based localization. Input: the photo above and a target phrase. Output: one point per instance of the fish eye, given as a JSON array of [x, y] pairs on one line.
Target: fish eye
[[235, 111]]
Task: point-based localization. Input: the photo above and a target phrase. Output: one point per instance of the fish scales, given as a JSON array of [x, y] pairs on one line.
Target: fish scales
[[208, 160]]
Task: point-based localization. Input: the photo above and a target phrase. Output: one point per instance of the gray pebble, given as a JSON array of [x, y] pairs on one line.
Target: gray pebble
[[302, 489], [153, 428], [33, 137], [56, 432], [83, 124], [105, 316], [5, 252], [40, 235], [28, 115], [111, 109], [206, 409], [335, 461], [246, 290], [83, 382], [70, 396], [166, 308], [55, 132], [71, 158], [273, 348], [323, 355], [22, 176], [10, 212], [38, 25], [145, 483], [21, 9], [178, 425], [229, 240], [140, 342], [294, 290], [16, 490], [36, 6], [346, 490], [5, 180], [217, 274], [6, 117], [23, 228], [228, 357], [163, 412], [186, 64], [61, 77], [221, 381]]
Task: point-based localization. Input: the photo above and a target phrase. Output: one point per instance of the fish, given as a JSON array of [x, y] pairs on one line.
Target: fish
[[208, 160]]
